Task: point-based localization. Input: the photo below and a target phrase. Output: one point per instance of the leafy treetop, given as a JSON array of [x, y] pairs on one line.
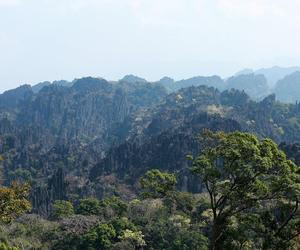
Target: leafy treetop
[[157, 184], [243, 174], [14, 202]]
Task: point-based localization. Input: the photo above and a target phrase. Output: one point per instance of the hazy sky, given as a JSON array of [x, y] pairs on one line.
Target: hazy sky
[[64, 39]]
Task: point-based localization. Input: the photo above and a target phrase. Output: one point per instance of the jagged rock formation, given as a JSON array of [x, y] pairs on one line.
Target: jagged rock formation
[[42, 196], [254, 85], [211, 81], [85, 111], [38, 87], [166, 151], [273, 74], [12, 98], [161, 137], [133, 79], [96, 137], [65, 128], [288, 89]]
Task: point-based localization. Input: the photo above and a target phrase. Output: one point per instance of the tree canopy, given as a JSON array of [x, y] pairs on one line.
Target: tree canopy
[[253, 190], [156, 184], [61, 209], [13, 202]]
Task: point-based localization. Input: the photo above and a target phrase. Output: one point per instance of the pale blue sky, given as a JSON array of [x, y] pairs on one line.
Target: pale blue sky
[[64, 39]]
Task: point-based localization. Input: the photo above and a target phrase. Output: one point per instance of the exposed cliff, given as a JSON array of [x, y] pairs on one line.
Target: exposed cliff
[[96, 137], [162, 136]]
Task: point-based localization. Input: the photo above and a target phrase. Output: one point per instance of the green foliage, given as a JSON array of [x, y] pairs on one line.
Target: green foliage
[[294, 122], [156, 184], [4, 246], [121, 224], [13, 202], [21, 175], [106, 207], [244, 176], [250, 201], [29, 232], [115, 205], [89, 206], [9, 142], [136, 238], [101, 237], [174, 233], [62, 209], [181, 201]]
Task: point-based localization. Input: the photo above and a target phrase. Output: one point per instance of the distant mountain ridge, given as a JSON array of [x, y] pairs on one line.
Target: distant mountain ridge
[[211, 81], [288, 88], [273, 74], [38, 87], [66, 139], [162, 136], [257, 84], [11, 98]]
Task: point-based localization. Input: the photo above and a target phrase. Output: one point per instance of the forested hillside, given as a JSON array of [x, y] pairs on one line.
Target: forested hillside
[[87, 150]]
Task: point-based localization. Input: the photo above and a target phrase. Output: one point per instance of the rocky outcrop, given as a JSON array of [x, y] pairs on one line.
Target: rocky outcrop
[[97, 137], [288, 89], [210, 81], [68, 128], [42, 196], [254, 85], [12, 98], [166, 150]]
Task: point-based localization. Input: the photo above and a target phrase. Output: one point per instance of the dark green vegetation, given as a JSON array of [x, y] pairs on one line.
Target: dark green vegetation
[[250, 201], [107, 165], [253, 190]]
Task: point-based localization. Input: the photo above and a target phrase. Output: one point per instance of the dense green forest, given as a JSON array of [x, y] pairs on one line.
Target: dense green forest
[[93, 164], [251, 202], [149, 125]]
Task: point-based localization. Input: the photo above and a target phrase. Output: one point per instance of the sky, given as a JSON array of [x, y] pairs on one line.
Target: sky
[[47, 40]]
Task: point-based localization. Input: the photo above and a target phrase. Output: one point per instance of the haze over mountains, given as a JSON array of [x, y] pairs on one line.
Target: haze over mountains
[[273, 75], [284, 82], [65, 137], [149, 125]]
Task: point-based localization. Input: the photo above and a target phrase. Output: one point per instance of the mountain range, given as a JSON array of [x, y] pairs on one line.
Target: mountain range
[[284, 82], [92, 137]]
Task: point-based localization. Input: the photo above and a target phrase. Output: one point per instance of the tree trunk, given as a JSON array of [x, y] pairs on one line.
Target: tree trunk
[[215, 243]]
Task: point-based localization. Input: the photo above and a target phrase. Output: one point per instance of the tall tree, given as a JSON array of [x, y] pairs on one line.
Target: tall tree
[[253, 190]]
